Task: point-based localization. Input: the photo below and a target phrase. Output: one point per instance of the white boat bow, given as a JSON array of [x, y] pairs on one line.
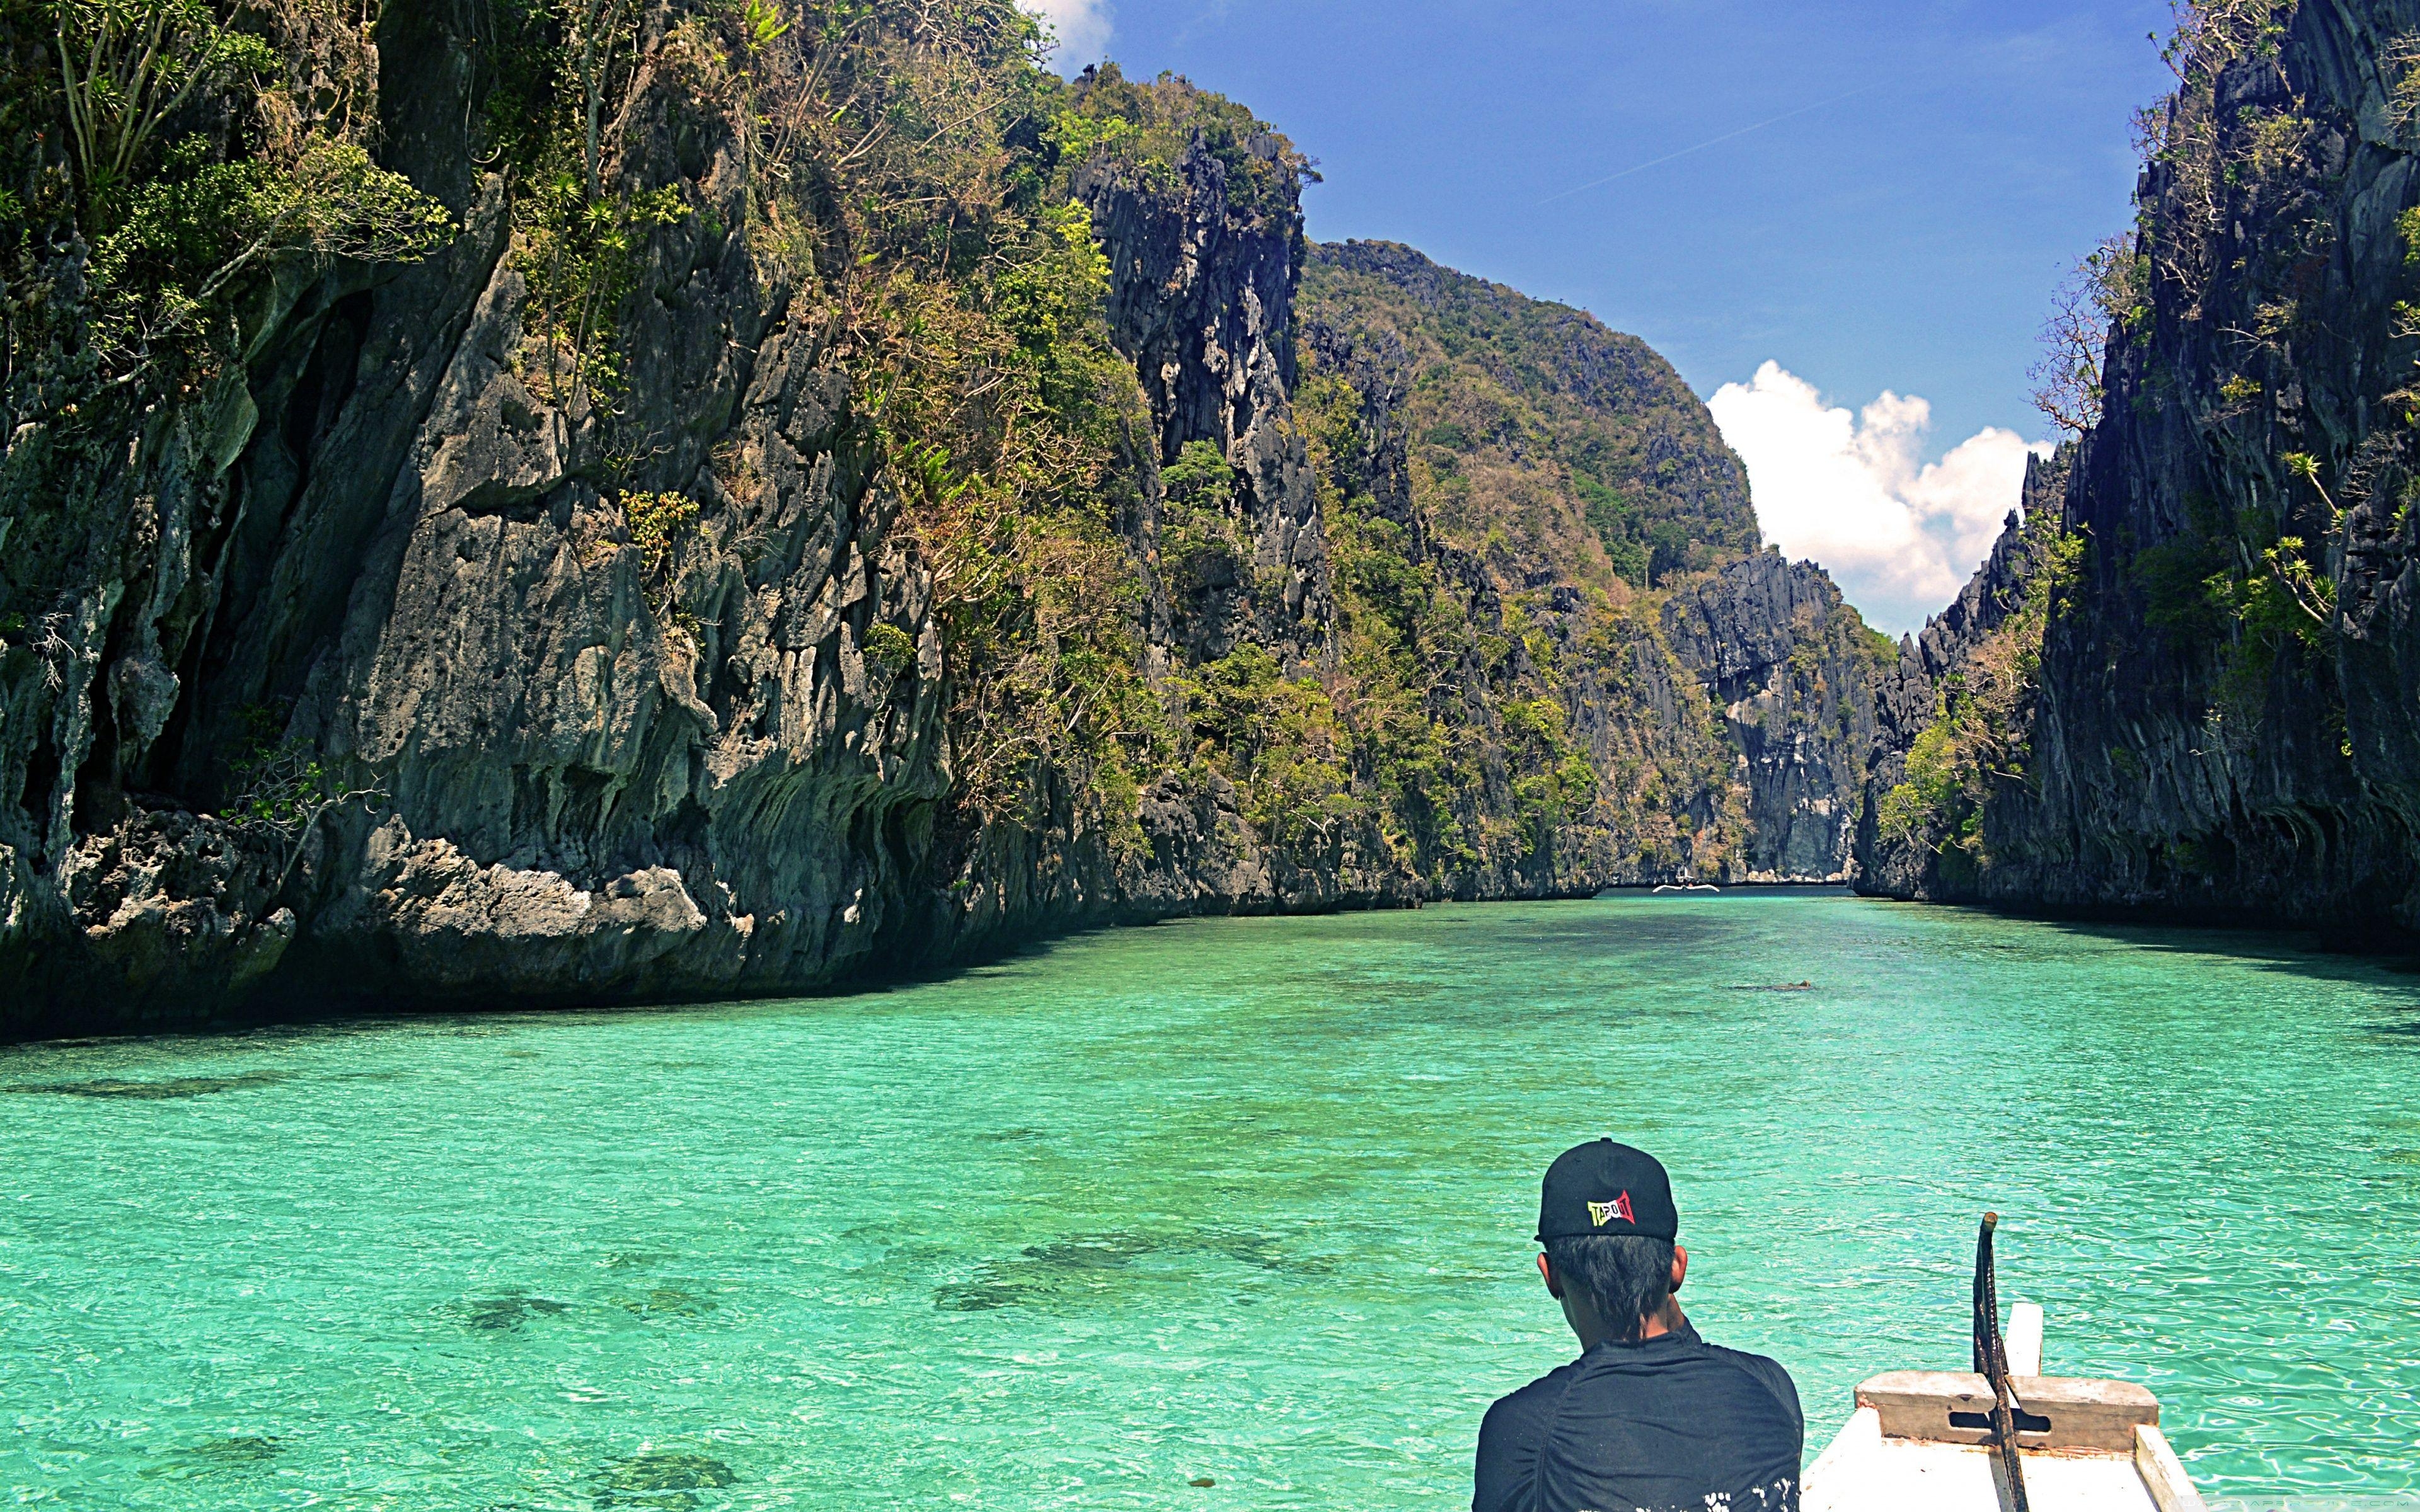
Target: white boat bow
[[1921, 1442]]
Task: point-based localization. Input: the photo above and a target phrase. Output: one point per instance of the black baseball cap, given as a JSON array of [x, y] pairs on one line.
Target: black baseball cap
[[1605, 1188]]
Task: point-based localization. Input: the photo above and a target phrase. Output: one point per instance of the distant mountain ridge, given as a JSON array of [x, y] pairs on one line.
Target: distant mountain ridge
[[1533, 417]]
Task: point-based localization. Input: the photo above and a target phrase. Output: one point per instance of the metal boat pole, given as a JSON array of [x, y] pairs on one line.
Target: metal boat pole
[[1991, 1361]]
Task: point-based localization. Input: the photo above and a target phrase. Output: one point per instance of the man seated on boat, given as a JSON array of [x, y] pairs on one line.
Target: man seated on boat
[[1649, 1417]]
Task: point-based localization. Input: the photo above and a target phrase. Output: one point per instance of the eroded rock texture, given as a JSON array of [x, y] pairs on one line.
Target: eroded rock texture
[[559, 787], [1795, 671]]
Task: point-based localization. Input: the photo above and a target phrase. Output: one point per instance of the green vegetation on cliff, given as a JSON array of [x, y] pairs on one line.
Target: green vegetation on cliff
[[1535, 433], [1465, 706], [167, 160], [1979, 744]]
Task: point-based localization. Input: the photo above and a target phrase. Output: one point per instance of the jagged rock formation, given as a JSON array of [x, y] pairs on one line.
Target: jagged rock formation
[[1963, 650], [1201, 301], [1797, 675], [386, 663], [1997, 590], [2225, 726]]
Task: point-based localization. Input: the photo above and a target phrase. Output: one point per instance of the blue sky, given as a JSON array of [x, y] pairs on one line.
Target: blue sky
[[1940, 166]]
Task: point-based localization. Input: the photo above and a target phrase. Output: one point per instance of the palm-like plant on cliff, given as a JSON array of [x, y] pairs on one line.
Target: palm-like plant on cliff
[[209, 142]]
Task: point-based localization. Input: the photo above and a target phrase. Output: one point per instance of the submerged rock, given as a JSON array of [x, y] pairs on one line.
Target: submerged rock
[[662, 1479], [172, 1086], [983, 1296], [667, 1302], [507, 1313], [229, 1456]]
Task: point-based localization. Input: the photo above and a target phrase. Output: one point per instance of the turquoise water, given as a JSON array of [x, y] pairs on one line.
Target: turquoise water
[[1237, 1201]]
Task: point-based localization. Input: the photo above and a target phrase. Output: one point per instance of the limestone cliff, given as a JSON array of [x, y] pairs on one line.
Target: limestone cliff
[[1557, 479], [1955, 713], [664, 559], [2222, 722], [1799, 677]]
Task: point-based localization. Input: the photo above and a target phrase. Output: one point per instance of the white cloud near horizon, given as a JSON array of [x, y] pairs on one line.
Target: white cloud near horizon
[[1082, 27], [1853, 492]]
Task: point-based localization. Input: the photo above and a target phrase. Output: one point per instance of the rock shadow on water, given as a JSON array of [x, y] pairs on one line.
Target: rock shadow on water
[[156, 1091], [1088, 1264], [506, 1313], [2396, 1029], [662, 1480]]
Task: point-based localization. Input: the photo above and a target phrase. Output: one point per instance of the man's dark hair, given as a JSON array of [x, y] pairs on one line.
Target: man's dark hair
[[1628, 1277]]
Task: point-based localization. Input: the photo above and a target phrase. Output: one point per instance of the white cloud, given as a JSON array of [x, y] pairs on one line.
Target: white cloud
[[1082, 27], [1851, 492]]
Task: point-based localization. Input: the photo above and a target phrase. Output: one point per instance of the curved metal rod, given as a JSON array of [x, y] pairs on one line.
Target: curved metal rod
[[1991, 1361]]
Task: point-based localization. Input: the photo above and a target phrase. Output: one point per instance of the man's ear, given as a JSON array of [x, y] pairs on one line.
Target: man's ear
[[1547, 1274], [1679, 1266]]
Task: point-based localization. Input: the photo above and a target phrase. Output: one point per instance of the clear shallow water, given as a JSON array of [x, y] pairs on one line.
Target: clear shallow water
[[1242, 1200]]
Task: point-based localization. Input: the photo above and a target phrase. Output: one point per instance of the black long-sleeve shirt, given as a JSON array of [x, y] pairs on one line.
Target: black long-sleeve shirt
[[1669, 1422]]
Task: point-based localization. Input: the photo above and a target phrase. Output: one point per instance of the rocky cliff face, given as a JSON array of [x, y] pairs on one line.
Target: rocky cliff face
[[1986, 644], [1202, 303], [381, 664], [1553, 745], [379, 529], [1797, 675], [2224, 726], [1561, 483]]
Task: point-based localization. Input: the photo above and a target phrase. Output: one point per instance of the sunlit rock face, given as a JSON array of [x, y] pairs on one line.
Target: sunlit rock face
[[1797, 673]]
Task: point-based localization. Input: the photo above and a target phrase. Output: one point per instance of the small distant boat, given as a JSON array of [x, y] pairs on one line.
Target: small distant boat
[[1694, 886], [2004, 1438]]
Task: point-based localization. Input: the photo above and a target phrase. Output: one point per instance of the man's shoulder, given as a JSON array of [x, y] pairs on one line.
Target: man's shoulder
[[1534, 1401], [1765, 1371], [1525, 1416], [1510, 1439]]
